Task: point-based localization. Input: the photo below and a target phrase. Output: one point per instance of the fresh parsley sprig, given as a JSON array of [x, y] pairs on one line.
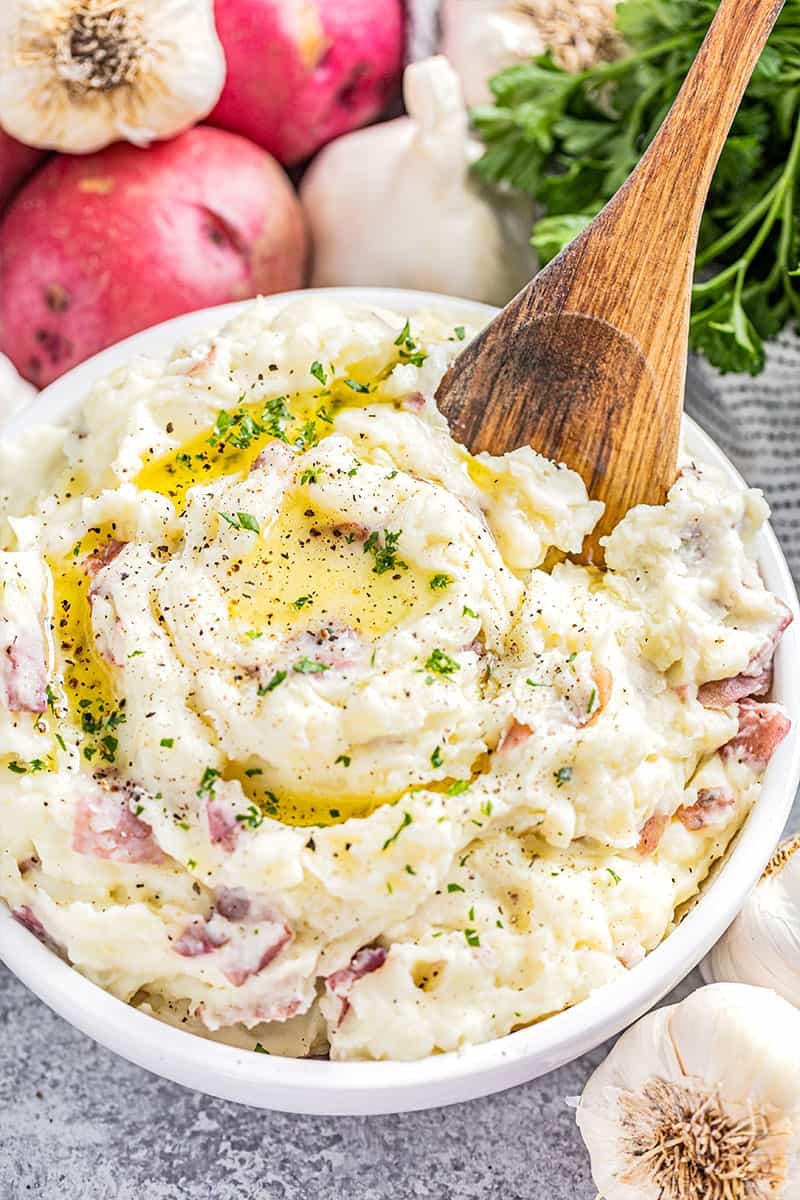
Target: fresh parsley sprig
[[571, 140]]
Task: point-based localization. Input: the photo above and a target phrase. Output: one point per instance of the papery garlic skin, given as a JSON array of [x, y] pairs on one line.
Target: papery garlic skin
[[394, 205], [482, 37], [15, 392], [762, 946], [700, 1101], [76, 75]]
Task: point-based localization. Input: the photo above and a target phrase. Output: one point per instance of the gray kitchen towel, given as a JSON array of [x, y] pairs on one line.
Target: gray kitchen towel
[[756, 421]]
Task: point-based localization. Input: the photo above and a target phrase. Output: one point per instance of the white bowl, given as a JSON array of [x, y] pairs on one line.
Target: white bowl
[[305, 1086]]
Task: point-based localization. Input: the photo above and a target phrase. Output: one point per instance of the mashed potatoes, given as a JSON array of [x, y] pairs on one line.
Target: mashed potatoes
[[313, 736]]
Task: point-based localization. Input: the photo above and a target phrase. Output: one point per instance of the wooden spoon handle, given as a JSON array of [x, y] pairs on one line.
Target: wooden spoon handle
[[656, 214]]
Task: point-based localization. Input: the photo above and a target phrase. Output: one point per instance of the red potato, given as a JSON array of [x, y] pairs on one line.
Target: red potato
[[98, 247], [16, 161], [302, 72]]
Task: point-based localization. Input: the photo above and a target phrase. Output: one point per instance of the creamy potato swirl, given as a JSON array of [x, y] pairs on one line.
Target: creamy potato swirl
[[313, 736]]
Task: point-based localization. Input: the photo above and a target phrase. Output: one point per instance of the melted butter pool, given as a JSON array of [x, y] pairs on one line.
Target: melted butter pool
[[309, 571]]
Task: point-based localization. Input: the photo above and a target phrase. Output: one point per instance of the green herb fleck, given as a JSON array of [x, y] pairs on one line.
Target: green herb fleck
[[168, 743], [614, 875], [207, 783], [472, 937], [406, 821], [276, 679], [385, 556], [439, 582], [562, 776], [441, 663], [344, 759], [318, 371], [436, 757], [300, 602], [307, 666], [454, 887]]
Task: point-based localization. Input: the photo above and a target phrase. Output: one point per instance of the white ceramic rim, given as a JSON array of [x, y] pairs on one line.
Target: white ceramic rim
[[335, 1088]]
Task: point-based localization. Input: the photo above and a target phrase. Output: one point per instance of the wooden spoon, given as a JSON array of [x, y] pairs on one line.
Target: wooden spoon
[[587, 364]]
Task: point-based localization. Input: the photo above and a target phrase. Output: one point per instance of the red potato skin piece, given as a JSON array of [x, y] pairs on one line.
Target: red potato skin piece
[[303, 72], [16, 163], [340, 983], [711, 805], [762, 727], [97, 247], [651, 834]]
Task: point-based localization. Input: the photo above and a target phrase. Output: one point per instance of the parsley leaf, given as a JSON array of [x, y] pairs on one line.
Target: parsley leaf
[[318, 371], [404, 824], [385, 555], [276, 679], [441, 663], [439, 582], [307, 666], [569, 141]]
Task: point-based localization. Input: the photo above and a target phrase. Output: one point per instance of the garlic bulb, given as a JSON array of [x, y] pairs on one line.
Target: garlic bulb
[[481, 37], [700, 1101], [763, 944], [15, 392], [78, 74], [394, 205]]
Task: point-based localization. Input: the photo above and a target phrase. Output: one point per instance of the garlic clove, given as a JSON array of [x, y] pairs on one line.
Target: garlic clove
[[762, 946], [76, 75], [700, 1101], [482, 37]]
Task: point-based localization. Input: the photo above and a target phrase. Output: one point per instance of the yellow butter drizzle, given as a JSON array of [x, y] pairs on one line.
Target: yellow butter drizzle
[[83, 674], [308, 571]]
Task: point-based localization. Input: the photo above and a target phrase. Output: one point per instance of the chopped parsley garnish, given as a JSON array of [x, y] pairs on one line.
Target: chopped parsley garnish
[[533, 683], [252, 817], [168, 743], [307, 666], [404, 824], [135, 653], [460, 332], [472, 937], [275, 416], [276, 679], [409, 870], [385, 556], [61, 742], [318, 371], [137, 812], [614, 875], [323, 414], [17, 768], [409, 350], [459, 786], [300, 602], [436, 757], [441, 663], [259, 1049], [242, 520], [592, 699], [309, 475], [191, 864], [454, 887], [208, 782], [404, 333], [344, 759], [253, 634], [468, 612], [562, 776], [253, 771], [439, 582], [357, 387], [572, 656]]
